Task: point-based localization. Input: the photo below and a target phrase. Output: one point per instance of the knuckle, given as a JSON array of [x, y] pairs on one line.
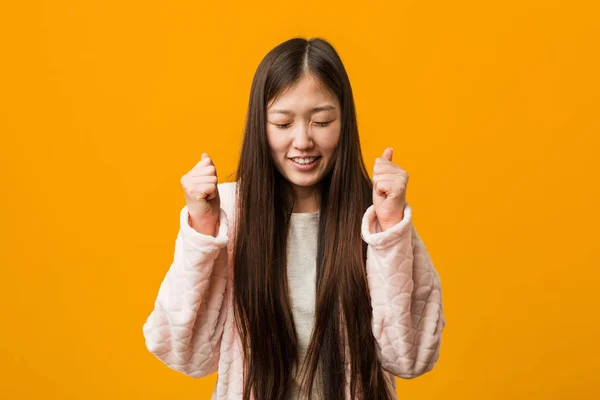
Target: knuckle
[[184, 180]]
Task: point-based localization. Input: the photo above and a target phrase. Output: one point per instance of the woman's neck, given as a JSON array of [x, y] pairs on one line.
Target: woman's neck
[[306, 199]]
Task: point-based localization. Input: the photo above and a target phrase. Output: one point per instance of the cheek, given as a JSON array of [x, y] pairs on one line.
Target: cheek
[[330, 140], [276, 145]]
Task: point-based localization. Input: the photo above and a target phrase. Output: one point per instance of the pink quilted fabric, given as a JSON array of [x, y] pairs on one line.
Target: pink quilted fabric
[[192, 330]]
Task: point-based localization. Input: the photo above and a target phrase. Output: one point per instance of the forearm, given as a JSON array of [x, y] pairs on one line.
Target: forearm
[[406, 297], [185, 327]]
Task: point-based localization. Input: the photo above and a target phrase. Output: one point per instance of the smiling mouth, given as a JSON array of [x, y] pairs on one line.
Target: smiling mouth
[[304, 160]]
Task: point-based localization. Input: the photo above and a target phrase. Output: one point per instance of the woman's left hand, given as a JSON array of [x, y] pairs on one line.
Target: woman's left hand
[[389, 190]]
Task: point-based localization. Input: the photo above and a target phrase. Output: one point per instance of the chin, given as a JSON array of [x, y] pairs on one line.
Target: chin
[[306, 181]]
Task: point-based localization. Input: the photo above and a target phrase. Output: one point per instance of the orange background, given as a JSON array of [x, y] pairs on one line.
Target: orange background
[[492, 109]]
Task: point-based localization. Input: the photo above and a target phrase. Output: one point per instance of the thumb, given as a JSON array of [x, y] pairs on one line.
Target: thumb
[[387, 154], [207, 160]]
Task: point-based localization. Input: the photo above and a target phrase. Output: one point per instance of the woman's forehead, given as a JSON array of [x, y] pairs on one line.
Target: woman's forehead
[[303, 102], [308, 88]]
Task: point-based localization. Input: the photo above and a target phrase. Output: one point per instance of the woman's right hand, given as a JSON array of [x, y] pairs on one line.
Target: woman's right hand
[[202, 196]]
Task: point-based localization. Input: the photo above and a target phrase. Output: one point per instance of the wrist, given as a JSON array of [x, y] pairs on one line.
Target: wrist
[[388, 223], [204, 227]]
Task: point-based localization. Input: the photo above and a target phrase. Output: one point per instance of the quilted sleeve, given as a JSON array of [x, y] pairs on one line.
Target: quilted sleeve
[[185, 328], [406, 297]]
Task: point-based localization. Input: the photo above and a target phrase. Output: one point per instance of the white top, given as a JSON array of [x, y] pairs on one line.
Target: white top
[[301, 275]]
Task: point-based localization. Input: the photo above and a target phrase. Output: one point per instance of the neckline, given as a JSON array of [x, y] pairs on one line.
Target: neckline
[[306, 214]]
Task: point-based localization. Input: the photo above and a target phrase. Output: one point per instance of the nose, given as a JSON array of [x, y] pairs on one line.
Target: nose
[[302, 137]]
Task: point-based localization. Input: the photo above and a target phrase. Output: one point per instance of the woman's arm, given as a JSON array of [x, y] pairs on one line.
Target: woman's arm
[[406, 296], [185, 328]]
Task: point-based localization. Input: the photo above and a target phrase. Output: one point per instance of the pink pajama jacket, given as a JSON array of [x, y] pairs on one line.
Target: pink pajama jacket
[[192, 329]]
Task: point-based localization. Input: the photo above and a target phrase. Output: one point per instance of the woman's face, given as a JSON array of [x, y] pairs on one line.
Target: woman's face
[[303, 131]]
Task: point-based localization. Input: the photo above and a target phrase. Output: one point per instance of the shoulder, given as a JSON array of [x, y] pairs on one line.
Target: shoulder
[[226, 187], [227, 194]]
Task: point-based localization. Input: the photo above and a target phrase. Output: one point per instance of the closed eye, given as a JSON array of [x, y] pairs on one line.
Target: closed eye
[[320, 124]]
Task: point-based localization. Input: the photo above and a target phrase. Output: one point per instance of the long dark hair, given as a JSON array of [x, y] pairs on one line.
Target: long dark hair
[[262, 308]]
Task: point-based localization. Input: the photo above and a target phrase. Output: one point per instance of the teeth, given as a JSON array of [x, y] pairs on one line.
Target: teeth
[[304, 160]]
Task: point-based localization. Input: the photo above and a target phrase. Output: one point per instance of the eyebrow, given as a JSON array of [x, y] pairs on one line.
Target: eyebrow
[[312, 110]]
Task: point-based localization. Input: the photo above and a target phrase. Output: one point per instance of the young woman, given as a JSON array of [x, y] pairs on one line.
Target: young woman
[[304, 278]]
